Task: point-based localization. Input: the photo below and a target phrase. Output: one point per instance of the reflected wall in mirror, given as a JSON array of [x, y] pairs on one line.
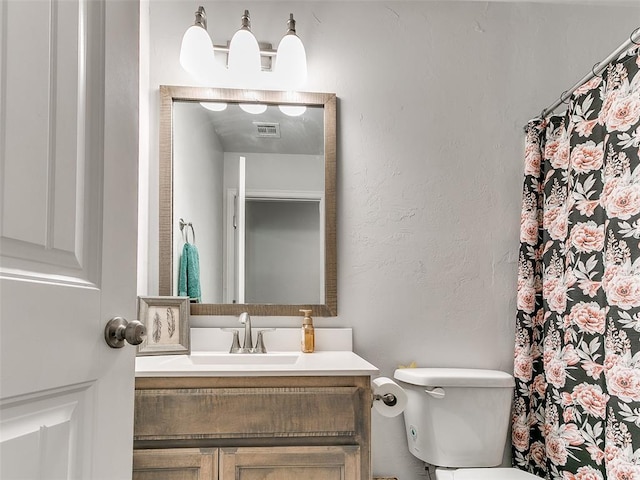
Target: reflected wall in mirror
[[248, 177]]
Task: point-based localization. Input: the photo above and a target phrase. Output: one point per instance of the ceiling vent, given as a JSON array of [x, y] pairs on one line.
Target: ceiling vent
[[267, 129]]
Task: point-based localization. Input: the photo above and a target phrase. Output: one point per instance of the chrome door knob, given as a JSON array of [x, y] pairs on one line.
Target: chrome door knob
[[118, 330]]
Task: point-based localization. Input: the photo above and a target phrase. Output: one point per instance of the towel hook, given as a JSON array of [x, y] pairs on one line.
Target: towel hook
[[185, 234]]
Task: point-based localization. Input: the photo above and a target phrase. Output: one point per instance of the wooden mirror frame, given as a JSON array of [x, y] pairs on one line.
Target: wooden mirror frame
[[169, 94]]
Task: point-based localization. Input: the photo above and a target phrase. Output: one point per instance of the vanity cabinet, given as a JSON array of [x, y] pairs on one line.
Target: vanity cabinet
[[251, 428]]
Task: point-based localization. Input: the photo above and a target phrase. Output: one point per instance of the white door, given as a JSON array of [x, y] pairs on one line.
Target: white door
[[68, 228]]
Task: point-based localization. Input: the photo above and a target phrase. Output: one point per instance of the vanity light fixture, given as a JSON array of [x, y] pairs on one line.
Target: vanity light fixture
[[243, 68]]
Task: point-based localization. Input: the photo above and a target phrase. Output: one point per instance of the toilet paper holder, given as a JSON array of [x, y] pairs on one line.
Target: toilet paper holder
[[389, 399]]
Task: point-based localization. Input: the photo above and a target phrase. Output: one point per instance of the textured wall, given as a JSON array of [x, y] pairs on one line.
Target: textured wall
[[432, 100]]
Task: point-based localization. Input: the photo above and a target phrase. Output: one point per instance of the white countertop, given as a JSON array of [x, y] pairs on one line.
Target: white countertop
[[210, 359]]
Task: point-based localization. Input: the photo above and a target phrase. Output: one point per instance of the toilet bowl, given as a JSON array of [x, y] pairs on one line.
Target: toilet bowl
[[457, 420]]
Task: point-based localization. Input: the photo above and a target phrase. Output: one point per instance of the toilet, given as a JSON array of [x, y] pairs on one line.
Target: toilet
[[457, 420]]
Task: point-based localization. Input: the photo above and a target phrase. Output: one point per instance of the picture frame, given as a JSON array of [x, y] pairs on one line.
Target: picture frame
[[167, 322]]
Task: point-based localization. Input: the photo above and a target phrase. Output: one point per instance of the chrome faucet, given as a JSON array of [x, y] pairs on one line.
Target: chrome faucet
[[247, 346]]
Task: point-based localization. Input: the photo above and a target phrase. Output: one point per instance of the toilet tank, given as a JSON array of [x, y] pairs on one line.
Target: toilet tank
[[457, 417]]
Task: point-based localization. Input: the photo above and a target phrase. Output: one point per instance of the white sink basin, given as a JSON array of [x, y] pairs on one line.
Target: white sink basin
[[216, 358]]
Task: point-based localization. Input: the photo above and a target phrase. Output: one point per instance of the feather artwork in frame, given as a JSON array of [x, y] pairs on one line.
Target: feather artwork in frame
[[167, 322], [171, 322], [157, 328]]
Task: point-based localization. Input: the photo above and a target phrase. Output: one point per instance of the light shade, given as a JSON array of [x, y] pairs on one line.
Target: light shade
[[291, 59], [196, 48], [196, 51], [244, 51]]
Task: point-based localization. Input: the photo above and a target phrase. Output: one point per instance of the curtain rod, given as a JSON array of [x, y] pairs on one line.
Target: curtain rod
[[595, 71]]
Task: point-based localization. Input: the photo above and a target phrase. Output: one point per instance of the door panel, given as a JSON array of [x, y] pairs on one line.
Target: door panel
[[46, 423], [49, 182], [68, 195]]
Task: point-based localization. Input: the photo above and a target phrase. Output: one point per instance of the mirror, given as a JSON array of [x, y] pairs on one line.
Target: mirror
[[249, 178]]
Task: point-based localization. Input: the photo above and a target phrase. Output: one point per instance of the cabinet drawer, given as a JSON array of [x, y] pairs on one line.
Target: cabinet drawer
[[290, 463], [209, 413]]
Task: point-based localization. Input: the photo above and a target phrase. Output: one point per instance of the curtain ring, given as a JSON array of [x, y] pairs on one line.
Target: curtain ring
[[564, 99], [593, 70], [637, 30]]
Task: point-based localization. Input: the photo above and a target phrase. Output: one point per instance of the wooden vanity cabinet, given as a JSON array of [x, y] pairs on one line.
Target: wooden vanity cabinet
[[252, 428]]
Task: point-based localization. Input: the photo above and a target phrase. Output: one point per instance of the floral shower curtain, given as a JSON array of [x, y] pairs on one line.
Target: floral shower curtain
[[577, 356]]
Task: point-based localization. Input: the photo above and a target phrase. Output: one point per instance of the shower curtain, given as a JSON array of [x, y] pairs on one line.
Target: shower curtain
[[576, 412]]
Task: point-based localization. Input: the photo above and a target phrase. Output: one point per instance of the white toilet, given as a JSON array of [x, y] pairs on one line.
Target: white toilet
[[457, 419]]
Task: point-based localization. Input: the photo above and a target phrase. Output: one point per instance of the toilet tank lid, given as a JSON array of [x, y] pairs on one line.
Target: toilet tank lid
[[454, 377]]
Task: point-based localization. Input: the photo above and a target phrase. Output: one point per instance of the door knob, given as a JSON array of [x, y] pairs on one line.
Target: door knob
[[118, 330]]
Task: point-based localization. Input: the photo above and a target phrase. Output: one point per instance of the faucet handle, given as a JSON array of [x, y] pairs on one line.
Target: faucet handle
[[235, 344], [260, 348]]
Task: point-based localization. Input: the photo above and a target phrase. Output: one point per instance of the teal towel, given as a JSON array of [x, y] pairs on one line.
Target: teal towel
[[189, 274]]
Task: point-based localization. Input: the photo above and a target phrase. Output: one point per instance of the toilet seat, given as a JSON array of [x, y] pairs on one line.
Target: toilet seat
[[484, 474]]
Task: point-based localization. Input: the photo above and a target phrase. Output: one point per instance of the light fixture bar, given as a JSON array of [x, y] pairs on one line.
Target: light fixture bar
[[265, 52]]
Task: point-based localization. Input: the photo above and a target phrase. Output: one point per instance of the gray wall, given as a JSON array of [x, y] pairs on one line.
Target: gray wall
[[432, 100]]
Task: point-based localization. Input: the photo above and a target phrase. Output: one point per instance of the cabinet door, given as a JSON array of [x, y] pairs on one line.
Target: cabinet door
[[290, 463], [175, 464]]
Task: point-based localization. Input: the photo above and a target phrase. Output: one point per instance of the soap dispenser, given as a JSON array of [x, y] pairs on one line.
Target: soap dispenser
[[308, 335]]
